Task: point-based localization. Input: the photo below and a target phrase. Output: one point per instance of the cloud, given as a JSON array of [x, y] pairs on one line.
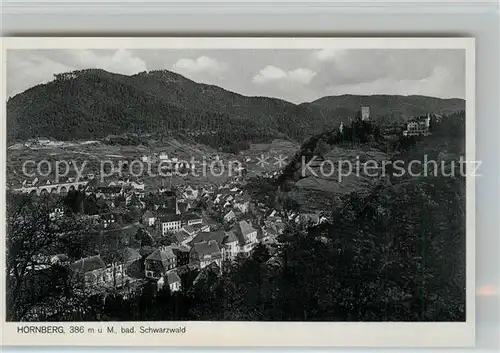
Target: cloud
[[27, 68], [327, 54], [25, 72], [274, 74], [294, 75], [121, 61], [439, 84], [202, 64]]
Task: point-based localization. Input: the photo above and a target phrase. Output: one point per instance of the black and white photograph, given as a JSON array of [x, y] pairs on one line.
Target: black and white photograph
[[233, 184]]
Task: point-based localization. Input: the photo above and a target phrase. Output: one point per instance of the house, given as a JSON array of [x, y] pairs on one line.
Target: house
[[308, 218], [128, 257], [92, 269], [246, 236], [172, 279], [148, 218], [419, 126], [191, 219], [182, 254], [137, 185], [242, 204], [109, 192], [210, 223], [229, 216], [183, 237], [163, 156], [117, 266], [170, 223], [190, 230], [106, 219], [200, 227], [230, 246], [205, 253], [190, 193], [209, 236], [159, 262], [57, 213]]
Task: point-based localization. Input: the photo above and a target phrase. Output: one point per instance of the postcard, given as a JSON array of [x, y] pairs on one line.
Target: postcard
[[238, 192]]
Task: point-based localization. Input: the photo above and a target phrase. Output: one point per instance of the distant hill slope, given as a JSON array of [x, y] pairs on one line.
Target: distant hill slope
[[94, 103], [319, 174], [389, 108]]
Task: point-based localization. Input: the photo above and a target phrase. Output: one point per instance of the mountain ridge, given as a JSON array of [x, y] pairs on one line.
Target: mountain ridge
[[94, 103]]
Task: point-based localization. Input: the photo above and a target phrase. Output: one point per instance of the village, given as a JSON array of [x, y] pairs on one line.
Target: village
[[162, 232], [165, 232]]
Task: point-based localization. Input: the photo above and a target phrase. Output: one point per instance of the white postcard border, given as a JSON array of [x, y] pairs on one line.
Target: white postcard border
[[341, 334]]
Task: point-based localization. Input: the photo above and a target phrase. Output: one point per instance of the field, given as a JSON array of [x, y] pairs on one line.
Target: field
[[94, 157]]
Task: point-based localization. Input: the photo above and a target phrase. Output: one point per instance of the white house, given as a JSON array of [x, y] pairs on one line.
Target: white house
[[170, 223], [163, 156], [246, 237], [231, 247], [229, 216], [172, 279], [418, 126]]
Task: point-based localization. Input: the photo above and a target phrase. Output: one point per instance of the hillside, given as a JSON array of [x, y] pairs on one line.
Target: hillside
[[311, 182], [90, 104]]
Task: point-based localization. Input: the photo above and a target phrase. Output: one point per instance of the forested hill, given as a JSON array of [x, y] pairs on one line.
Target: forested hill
[[94, 103]]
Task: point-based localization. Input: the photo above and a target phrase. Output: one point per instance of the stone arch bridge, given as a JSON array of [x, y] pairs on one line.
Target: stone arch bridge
[[59, 188]]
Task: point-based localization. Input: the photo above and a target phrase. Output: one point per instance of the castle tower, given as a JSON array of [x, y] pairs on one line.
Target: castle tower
[[365, 113]]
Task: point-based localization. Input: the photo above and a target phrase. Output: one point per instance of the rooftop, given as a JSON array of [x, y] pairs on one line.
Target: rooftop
[[218, 237], [88, 264], [172, 277], [205, 248], [170, 218], [163, 254]]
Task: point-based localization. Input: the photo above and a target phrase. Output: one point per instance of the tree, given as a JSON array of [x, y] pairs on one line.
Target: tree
[[32, 239]]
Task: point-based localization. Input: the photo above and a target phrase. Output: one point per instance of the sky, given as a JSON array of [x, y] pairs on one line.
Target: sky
[[296, 75]]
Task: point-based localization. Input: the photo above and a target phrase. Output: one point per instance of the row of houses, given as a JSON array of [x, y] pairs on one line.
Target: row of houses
[[161, 265], [199, 251]]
